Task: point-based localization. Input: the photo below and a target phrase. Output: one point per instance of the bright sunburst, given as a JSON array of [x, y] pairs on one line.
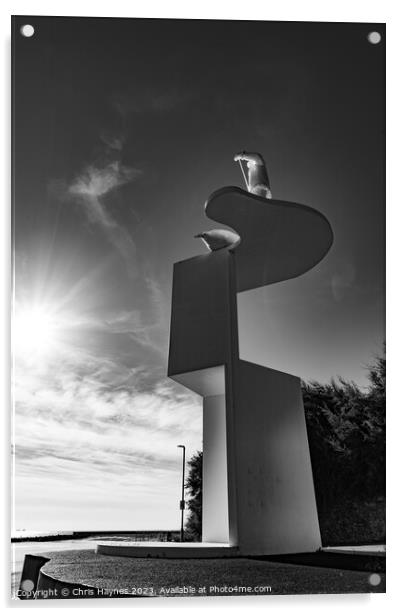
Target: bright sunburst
[[36, 330]]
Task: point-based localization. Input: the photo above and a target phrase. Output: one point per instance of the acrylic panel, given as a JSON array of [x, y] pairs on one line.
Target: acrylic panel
[[198, 307]]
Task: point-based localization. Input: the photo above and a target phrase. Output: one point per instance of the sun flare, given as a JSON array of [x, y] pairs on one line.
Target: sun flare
[[36, 330]]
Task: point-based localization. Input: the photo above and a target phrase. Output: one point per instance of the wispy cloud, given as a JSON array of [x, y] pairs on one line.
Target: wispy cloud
[[146, 327], [87, 420], [144, 330], [91, 186], [113, 141], [98, 181]]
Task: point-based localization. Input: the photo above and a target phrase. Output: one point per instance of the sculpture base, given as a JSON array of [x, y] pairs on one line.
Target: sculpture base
[[163, 549]]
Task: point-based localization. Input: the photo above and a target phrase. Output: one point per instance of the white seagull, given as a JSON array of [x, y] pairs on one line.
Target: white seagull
[[216, 239]]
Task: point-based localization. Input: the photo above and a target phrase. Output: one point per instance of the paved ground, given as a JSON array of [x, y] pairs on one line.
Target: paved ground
[[230, 576]]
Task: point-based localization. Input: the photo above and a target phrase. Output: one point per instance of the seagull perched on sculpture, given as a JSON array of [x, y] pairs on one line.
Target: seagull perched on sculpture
[[256, 178], [257, 183], [216, 239]]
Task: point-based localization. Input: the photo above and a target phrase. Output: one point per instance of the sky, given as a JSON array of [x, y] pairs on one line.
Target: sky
[[122, 129]]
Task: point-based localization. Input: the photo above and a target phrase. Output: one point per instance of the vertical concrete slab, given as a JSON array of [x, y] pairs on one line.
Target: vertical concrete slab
[[276, 507], [215, 510], [202, 307], [203, 346]]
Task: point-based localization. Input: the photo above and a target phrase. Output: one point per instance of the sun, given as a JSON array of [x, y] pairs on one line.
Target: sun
[[36, 330]]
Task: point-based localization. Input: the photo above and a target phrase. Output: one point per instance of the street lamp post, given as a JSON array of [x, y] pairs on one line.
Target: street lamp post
[[182, 504]]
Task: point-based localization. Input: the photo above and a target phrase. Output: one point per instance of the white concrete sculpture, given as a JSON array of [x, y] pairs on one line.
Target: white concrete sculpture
[[258, 491]]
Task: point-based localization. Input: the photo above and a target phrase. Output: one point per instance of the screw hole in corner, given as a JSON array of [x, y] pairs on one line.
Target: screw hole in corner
[[27, 30], [374, 37]]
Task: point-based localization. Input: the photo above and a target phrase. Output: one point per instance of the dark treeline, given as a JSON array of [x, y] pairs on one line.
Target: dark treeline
[[346, 432]]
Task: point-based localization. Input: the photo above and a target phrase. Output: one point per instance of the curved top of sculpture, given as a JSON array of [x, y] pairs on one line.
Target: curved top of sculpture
[[279, 239]]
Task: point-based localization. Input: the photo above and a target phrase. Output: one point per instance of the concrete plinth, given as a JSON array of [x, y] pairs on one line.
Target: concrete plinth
[[160, 549]]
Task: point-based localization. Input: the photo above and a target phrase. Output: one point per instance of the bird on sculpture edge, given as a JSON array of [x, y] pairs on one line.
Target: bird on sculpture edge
[[257, 183]]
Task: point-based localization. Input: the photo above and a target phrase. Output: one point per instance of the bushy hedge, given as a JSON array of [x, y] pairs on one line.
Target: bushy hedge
[[346, 431]]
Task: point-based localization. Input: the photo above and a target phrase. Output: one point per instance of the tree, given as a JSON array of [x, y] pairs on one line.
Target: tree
[[193, 485]]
